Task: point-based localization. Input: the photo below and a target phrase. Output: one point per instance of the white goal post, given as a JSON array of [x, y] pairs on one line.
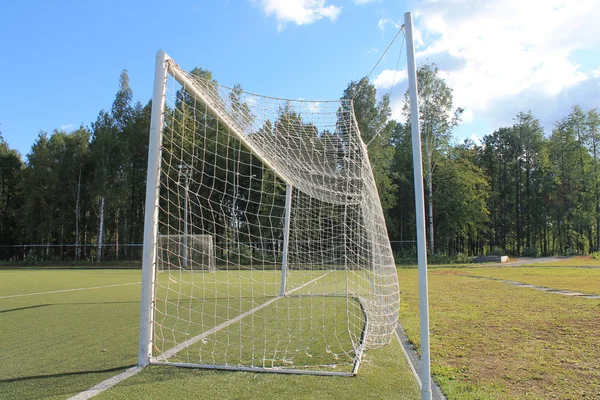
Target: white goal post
[[263, 217]]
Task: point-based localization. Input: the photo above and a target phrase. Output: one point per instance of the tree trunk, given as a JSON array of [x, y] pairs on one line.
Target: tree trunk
[[77, 211], [117, 235], [429, 182], [101, 229]]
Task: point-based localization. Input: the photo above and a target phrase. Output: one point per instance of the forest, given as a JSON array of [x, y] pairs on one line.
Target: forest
[[522, 191]]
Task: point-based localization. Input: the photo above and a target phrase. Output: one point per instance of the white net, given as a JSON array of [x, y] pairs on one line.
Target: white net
[[307, 295], [193, 252]]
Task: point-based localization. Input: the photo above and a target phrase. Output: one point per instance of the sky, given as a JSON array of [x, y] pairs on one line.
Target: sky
[[62, 58]]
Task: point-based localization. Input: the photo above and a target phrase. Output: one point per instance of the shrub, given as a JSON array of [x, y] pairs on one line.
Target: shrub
[[530, 252]]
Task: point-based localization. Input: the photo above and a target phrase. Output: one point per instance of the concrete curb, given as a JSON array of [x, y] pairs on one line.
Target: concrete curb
[[415, 362]]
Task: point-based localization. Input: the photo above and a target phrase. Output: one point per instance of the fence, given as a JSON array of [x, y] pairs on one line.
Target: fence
[[32, 253], [72, 253]]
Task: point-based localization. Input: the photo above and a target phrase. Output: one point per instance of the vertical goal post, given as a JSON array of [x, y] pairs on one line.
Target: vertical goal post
[[263, 218]]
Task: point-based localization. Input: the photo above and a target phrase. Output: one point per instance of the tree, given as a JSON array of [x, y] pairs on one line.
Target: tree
[[11, 176], [438, 118], [376, 129], [593, 143], [461, 196]]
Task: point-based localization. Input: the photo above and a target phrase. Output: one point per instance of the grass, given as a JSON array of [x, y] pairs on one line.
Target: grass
[[574, 279], [383, 375], [56, 345], [578, 261], [490, 340]]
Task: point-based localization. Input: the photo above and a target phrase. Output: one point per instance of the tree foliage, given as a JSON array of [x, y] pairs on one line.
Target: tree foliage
[[522, 191]]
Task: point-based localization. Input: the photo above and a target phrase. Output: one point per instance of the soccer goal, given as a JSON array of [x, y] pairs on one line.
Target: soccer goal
[[263, 216], [190, 252]]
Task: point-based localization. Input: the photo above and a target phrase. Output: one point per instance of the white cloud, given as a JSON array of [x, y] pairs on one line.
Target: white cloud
[[66, 127], [308, 106], [498, 51], [397, 104], [300, 12], [596, 73], [373, 50], [389, 77], [476, 139], [363, 1], [383, 22]]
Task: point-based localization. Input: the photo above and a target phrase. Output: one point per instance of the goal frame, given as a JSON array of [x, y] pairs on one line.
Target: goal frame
[[151, 234]]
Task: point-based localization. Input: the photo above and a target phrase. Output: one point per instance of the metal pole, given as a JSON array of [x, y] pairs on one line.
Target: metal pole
[[286, 237], [420, 210], [151, 211], [185, 170]]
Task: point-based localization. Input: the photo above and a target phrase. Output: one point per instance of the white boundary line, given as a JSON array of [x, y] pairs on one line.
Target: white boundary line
[[69, 290], [174, 350], [109, 383]]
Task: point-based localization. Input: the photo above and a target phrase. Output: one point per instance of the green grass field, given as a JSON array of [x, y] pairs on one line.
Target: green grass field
[[58, 340], [491, 340]]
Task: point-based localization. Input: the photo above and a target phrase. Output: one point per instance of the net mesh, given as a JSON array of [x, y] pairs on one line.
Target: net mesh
[[240, 287]]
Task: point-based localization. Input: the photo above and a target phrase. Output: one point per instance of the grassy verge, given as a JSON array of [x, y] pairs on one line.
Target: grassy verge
[[574, 279], [579, 261], [490, 340]]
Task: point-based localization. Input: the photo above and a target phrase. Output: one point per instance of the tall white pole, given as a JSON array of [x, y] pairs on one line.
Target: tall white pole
[[286, 237], [186, 250], [151, 216], [420, 210]]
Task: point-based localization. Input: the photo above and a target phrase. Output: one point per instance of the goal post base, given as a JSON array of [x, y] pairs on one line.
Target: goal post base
[[256, 369]]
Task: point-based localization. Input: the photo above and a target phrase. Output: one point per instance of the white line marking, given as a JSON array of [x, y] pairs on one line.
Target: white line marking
[[107, 384], [174, 350], [69, 290]]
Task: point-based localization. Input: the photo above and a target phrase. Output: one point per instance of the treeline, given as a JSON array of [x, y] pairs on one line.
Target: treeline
[[522, 191], [77, 191]]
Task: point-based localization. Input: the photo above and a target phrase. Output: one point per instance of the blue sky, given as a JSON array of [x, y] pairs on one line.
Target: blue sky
[[63, 58]]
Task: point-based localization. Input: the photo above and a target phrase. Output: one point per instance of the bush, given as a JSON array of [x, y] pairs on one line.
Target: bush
[[530, 252], [497, 251], [463, 258]]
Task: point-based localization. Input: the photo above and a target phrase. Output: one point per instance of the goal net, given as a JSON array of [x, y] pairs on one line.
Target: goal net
[[190, 252], [277, 198]]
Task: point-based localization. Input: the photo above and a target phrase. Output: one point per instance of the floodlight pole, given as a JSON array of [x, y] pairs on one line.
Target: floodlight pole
[[286, 237], [151, 210], [185, 170], [420, 210]]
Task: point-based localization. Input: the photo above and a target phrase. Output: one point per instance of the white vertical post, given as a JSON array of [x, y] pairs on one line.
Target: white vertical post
[[101, 230], [286, 237], [420, 210], [184, 170], [151, 211], [186, 250]]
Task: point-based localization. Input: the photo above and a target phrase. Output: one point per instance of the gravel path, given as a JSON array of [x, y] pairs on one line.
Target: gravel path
[[542, 288]]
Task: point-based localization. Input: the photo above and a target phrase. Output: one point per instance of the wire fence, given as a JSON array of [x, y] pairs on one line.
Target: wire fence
[[128, 252], [32, 253]]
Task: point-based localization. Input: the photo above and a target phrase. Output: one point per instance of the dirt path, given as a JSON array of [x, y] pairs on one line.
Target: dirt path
[[542, 288], [513, 262]]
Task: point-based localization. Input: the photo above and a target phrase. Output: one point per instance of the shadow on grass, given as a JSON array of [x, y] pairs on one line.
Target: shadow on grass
[[66, 374], [25, 308]]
